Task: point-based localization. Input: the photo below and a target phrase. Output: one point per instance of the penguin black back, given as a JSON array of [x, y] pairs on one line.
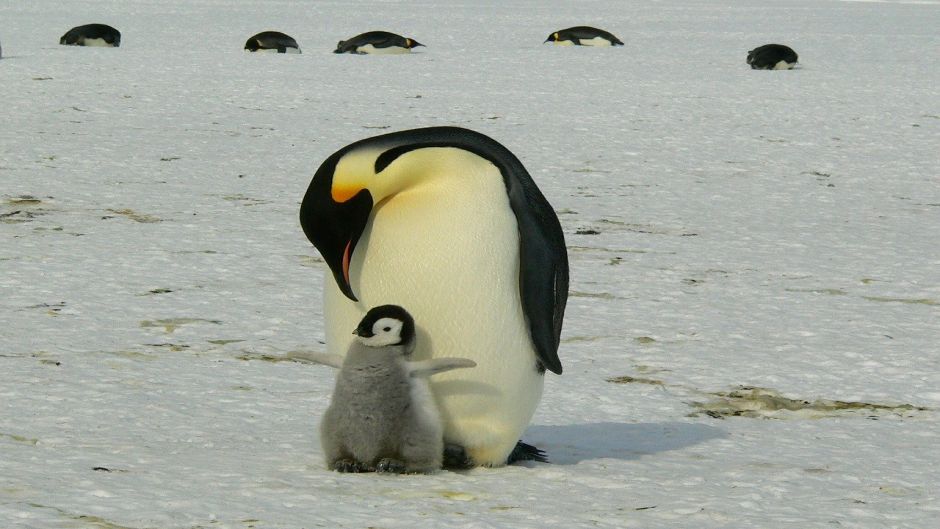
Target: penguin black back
[[92, 35], [379, 40], [772, 57], [583, 36], [272, 40]]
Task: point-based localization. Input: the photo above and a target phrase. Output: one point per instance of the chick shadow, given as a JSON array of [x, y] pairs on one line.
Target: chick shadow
[[574, 443]]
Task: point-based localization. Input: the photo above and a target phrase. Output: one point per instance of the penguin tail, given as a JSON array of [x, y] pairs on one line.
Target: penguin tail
[[526, 452]]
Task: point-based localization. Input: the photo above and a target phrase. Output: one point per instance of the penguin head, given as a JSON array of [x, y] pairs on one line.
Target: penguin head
[[552, 38], [411, 43], [386, 325], [337, 206]]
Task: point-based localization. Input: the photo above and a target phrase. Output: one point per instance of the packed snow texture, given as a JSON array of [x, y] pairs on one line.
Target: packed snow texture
[[753, 325]]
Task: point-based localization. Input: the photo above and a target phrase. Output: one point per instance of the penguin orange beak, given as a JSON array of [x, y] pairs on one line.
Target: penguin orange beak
[[335, 227]]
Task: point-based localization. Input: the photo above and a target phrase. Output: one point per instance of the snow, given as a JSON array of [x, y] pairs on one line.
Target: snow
[[757, 229]]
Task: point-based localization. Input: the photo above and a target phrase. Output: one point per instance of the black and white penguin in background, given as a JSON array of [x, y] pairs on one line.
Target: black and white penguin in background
[[448, 222], [377, 43], [101, 35], [583, 36], [772, 57], [272, 41]]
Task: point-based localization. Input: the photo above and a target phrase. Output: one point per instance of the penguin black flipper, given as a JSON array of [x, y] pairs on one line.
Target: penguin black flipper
[[543, 256], [543, 264]]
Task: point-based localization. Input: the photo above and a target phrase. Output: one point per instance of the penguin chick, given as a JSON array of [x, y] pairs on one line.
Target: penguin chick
[[382, 416]]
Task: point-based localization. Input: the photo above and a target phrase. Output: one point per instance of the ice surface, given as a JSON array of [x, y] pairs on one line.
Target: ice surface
[[741, 242]]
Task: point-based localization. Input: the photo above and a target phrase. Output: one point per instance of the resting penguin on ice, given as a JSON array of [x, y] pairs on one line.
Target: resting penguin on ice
[[772, 57], [447, 222], [272, 41], [92, 35], [382, 416], [583, 36], [376, 43]]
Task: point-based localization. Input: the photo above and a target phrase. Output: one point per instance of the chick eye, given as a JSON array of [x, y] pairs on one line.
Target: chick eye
[[386, 329]]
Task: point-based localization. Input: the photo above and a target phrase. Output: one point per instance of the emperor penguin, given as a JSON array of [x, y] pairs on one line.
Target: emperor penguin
[[92, 35], [377, 43], [272, 41], [772, 57], [447, 222], [382, 416], [583, 36]]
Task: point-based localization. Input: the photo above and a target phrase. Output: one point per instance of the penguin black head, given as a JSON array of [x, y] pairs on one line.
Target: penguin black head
[[411, 43], [386, 325], [552, 38]]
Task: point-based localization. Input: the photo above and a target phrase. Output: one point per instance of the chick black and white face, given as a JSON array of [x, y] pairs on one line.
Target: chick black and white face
[[384, 326], [386, 331]]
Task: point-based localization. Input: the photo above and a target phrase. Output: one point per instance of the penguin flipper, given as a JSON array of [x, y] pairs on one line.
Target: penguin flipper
[[426, 368], [543, 268]]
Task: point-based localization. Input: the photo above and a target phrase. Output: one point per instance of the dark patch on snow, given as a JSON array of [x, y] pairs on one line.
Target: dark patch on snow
[[762, 403]]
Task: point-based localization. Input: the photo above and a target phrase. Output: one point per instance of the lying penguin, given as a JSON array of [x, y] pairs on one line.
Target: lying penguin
[[382, 416], [101, 35], [377, 43], [772, 57], [272, 41], [583, 36]]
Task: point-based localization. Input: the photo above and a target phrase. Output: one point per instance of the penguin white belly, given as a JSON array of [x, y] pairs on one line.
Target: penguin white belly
[[596, 41], [391, 50], [447, 250], [564, 43], [100, 43], [783, 65]]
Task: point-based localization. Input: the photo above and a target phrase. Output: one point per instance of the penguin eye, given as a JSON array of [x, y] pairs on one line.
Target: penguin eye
[[387, 329]]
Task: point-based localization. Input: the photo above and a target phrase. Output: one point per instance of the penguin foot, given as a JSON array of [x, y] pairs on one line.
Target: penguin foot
[[349, 465], [526, 452], [392, 466], [456, 458]]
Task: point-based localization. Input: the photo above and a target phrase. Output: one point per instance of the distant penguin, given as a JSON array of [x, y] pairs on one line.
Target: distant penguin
[[92, 35], [377, 43], [272, 41], [772, 57], [449, 223], [382, 416], [583, 36]]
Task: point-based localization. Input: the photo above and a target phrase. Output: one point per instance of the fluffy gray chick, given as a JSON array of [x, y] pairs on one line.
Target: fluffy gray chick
[[383, 416]]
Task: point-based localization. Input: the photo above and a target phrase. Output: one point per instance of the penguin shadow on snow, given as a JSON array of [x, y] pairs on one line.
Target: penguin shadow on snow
[[574, 443]]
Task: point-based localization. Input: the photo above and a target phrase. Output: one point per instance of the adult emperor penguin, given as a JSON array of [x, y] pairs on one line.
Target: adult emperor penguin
[[92, 35], [376, 43], [382, 416], [772, 57], [447, 222], [583, 36], [272, 41]]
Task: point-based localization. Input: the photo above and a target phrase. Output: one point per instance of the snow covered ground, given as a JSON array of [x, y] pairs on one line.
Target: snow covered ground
[[753, 330]]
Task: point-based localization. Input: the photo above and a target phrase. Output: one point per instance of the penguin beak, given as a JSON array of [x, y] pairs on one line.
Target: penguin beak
[[414, 44], [335, 227], [364, 331]]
